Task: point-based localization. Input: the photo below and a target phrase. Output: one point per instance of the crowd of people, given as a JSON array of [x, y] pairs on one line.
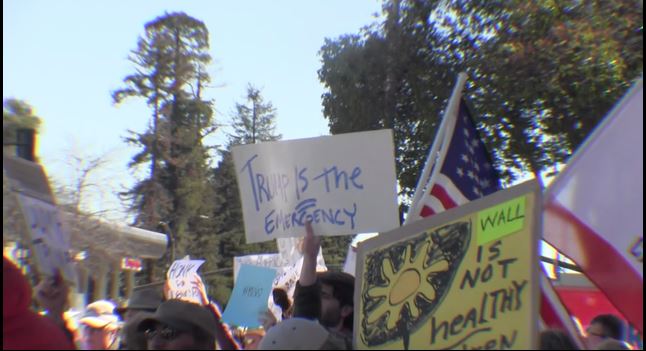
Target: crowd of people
[[319, 317]]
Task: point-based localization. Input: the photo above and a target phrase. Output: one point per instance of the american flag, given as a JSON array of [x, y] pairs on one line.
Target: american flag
[[466, 172]]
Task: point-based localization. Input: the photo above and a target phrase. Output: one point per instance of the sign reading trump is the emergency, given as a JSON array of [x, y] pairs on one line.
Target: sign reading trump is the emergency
[[343, 184]]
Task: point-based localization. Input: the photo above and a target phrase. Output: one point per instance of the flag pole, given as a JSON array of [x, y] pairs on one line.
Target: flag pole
[[453, 104]]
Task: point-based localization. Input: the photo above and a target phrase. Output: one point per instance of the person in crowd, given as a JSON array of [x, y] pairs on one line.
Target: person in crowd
[[327, 296], [281, 299], [180, 325], [52, 295], [555, 339], [99, 326], [131, 337], [22, 328], [143, 299], [603, 327], [221, 332]]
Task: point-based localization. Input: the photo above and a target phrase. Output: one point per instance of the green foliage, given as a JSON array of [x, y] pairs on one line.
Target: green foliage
[[170, 71], [254, 121], [541, 75]]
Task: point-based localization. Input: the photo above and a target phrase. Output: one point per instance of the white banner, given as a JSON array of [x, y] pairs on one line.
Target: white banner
[[344, 184]]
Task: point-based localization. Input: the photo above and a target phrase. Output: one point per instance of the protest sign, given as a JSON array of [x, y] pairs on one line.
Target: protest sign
[[288, 272], [50, 241], [463, 279], [249, 297], [344, 184], [181, 279]]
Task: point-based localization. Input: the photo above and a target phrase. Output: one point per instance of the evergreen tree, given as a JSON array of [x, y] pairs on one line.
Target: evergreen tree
[[541, 75], [170, 64]]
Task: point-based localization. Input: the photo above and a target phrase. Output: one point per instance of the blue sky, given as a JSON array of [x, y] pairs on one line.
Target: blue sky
[[65, 57]]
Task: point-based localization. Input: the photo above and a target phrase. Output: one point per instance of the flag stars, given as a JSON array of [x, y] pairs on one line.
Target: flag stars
[[471, 175], [474, 143], [466, 133], [465, 158], [485, 183], [460, 172]]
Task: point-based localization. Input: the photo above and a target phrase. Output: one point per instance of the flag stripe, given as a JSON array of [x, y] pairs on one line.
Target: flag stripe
[[439, 193], [427, 211], [607, 269]]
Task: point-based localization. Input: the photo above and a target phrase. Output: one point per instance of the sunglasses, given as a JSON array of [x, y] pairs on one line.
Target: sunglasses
[[166, 333]]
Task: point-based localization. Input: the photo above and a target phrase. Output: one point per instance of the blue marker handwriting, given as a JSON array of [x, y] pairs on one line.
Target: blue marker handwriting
[[267, 187], [307, 210]]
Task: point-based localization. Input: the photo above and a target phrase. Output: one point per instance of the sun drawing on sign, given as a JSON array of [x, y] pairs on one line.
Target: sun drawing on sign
[[405, 285], [404, 282]]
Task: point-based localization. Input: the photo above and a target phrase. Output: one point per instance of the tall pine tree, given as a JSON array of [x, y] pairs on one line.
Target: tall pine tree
[[170, 72]]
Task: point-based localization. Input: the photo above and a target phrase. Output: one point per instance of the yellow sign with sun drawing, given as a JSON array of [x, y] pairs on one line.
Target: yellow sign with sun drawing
[[464, 279]]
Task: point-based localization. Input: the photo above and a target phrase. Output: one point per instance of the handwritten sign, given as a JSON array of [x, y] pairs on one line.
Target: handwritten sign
[[501, 220], [180, 275], [288, 271], [343, 184], [50, 241], [249, 297], [435, 285]]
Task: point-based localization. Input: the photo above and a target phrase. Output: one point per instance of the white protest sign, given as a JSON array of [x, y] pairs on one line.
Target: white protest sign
[[180, 277], [50, 240], [344, 184]]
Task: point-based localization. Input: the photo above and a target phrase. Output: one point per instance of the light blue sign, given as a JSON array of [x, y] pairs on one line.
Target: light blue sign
[[250, 296]]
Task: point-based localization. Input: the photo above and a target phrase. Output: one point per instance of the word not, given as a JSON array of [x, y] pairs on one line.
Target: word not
[[486, 273], [307, 210], [250, 291], [492, 304]]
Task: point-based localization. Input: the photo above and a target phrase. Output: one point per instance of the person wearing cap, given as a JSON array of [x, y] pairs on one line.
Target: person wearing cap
[[180, 325], [99, 326], [143, 303], [143, 299]]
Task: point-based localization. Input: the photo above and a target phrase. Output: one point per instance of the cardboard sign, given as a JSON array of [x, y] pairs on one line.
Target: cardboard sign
[[180, 276], [249, 297], [50, 241], [343, 184], [464, 279]]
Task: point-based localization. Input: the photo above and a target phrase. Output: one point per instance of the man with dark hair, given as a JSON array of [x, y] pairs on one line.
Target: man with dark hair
[[328, 296], [603, 327]]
